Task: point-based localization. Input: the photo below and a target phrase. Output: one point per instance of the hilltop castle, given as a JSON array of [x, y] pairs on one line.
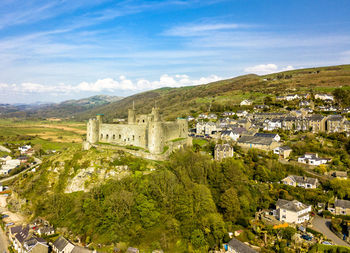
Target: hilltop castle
[[145, 131]]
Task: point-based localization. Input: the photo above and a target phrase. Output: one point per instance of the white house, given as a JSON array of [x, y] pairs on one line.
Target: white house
[[304, 182], [273, 124], [246, 102], [324, 97], [292, 211], [312, 159], [291, 97], [24, 148]]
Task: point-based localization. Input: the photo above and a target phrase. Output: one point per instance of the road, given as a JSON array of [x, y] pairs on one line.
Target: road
[[323, 226], [3, 242], [38, 162]]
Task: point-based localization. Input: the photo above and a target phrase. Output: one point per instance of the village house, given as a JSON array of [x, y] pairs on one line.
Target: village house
[[304, 182], [9, 165], [335, 124], [24, 149], [340, 207], [227, 114], [202, 116], [317, 123], [246, 102], [24, 241], [190, 118], [236, 246], [324, 97], [258, 142], [275, 137], [47, 230], [304, 103], [292, 211], [241, 113], [291, 97], [212, 116], [273, 124], [312, 159], [283, 152], [228, 135], [223, 151], [62, 245]]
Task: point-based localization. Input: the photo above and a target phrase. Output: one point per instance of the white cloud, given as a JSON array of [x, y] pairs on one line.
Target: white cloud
[[201, 29], [263, 69], [107, 85]]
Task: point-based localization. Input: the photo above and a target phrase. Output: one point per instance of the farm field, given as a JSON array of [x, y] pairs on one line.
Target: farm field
[[50, 135]]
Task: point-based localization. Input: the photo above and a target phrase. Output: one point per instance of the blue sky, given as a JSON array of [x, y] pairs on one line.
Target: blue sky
[[57, 50]]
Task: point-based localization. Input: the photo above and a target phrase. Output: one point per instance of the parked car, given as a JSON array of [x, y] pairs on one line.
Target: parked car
[[4, 216], [10, 224], [327, 243], [307, 237]]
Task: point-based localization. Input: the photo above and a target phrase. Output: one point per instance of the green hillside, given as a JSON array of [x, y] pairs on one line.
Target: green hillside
[[225, 94]]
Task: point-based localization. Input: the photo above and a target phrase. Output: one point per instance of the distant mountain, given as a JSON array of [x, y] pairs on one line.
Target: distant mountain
[[226, 94], [66, 109]]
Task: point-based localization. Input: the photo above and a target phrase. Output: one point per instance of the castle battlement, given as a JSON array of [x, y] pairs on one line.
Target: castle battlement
[[146, 131]]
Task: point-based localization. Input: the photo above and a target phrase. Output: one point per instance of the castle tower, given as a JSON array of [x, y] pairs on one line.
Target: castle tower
[[132, 115], [93, 131], [155, 137], [99, 118], [155, 114]]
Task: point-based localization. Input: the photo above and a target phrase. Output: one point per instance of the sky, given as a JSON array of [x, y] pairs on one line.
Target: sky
[[57, 50]]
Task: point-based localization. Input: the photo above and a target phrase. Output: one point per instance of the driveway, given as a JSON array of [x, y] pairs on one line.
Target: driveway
[[3, 242], [323, 226]]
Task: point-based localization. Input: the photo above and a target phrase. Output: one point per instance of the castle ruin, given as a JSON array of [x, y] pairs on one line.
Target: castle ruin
[[147, 132]]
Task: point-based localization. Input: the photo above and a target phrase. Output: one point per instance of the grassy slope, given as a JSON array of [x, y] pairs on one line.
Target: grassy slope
[[174, 102]]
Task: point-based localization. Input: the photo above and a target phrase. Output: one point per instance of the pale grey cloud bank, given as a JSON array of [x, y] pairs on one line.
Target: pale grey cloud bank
[[108, 85]]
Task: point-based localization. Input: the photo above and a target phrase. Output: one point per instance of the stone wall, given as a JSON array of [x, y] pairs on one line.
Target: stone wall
[[135, 135]]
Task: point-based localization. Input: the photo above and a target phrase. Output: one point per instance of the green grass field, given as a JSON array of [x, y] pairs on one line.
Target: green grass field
[[49, 135]]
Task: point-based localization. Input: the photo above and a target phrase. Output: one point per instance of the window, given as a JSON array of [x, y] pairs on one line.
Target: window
[[101, 136], [113, 136], [133, 137], [107, 136]]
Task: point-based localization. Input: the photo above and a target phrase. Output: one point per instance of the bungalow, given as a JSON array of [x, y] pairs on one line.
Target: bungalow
[[304, 182], [62, 245], [340, 207], [312, 159], [324, 97], [223, 151], [246, 102], [236, 246], [275, 137], [283, 151], [292, 211]]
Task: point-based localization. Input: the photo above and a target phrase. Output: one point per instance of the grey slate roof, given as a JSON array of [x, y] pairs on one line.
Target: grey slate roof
[[223, 147], [61, 243], [22, 235], [255, 140], [294, 205], [342, 203], [240, 247], [265, 135], [304, 180]]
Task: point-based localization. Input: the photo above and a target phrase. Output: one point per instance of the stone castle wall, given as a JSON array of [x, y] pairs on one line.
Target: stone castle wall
[[145, 131]]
